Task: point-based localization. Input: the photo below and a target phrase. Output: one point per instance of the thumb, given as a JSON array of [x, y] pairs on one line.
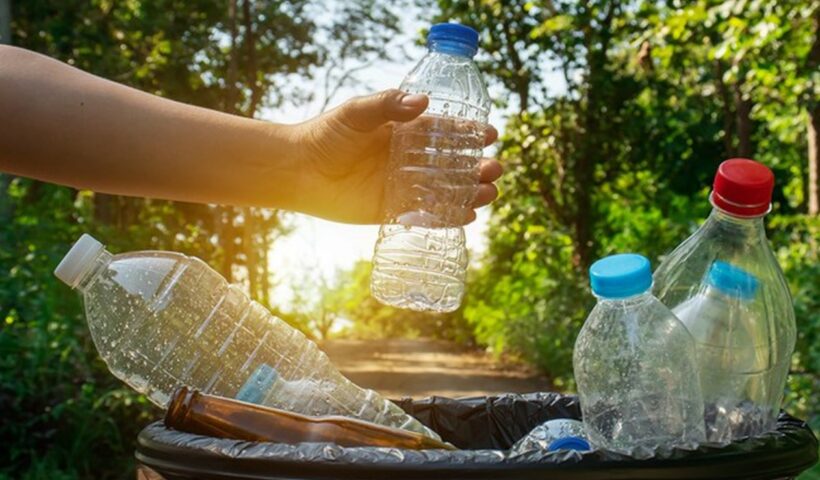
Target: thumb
[[365, 114]]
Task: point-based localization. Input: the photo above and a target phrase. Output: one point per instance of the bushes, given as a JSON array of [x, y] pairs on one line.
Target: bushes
[[64, 415], [797, 244]]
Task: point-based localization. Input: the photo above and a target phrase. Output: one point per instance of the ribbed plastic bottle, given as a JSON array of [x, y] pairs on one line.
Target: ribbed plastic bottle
[[725, 284], [420, 259], [554, 435], [161, 320], [635, 366]]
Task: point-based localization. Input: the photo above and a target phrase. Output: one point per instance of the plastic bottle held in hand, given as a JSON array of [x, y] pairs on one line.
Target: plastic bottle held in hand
[[554, 435], [724, 283], [420, 259], [161, 320], [635, 365]]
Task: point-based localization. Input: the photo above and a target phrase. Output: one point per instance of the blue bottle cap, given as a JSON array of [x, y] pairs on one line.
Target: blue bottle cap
[[453, 38], [620, 276], [570, 443], [732, 280]]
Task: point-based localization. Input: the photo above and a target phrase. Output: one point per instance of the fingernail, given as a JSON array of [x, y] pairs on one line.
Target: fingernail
[[415, 100]]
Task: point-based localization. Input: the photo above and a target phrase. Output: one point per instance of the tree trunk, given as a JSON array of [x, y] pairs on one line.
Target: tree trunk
[[264, 282], [231, 96], [522, 76], [6, 207], [228, 234], [743, 110], [250, 60], [812, 62], [728, 113], [814, 160], [5, 22], [591, 147], [228, 241], [249, 246]]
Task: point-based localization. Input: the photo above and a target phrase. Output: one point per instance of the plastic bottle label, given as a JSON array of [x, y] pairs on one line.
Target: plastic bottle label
[[260, 381]]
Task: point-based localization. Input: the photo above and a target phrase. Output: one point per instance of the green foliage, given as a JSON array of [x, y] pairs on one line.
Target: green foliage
[[54, 390], [798, 253]]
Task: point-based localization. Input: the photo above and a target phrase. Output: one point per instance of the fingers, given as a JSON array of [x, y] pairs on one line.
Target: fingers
[[490, 135], [470, 218], [490, 170], [487, 192], [365, 114]]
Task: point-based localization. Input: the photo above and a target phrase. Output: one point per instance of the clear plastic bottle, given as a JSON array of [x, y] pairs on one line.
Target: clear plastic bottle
[[420, 258], [731, 248], [732, 362], [554, 435], [635, 365], [161, 320]]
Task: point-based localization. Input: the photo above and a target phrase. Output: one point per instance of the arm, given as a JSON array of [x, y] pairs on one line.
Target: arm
[[66, 126]]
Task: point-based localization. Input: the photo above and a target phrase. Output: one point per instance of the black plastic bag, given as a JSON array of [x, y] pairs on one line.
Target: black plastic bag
[[485, 427]]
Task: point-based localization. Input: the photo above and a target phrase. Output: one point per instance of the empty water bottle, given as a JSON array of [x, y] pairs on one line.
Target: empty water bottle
[[722, 321], [554, 435], [161, 320], [725, 284], [420, 259], [635, 365]]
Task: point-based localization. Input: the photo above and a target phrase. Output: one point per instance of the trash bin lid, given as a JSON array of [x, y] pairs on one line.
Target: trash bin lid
[[782, 453]]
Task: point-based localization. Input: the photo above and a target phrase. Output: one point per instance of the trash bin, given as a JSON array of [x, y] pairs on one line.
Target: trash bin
[[484, 427]]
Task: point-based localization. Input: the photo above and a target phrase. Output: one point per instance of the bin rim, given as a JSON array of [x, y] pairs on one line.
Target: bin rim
[[782, 453]]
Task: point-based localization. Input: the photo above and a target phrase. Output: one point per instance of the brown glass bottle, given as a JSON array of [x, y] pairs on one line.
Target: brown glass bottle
[[195, 412]]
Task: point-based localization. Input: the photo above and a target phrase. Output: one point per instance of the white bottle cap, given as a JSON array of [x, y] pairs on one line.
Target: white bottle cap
[[78, 260]]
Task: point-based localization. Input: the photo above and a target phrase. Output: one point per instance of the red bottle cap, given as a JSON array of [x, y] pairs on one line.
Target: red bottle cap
[[743, 187]]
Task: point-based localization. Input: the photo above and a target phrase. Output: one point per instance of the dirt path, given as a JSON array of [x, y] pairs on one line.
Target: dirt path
[[420, 368]]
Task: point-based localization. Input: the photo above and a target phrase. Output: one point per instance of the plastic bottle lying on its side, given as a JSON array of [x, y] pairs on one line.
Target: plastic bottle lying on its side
[[161, 319], [554, 435]]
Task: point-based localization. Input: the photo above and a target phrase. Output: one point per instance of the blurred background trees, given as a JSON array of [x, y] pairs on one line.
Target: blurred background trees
[[618, 115], [621, 113]]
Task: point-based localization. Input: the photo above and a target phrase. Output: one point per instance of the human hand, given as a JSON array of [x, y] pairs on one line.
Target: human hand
[[344, 154]]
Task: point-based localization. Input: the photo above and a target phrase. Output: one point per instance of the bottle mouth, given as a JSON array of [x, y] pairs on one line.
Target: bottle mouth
[[738, 210], [179, 406], [452, 47]]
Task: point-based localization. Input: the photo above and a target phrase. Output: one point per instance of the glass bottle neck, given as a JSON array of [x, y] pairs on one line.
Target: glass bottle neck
[[96, 267]]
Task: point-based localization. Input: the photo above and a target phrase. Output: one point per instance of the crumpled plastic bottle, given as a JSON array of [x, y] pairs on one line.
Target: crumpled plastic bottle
[[635, 366], [725, 285], [554, 435]]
